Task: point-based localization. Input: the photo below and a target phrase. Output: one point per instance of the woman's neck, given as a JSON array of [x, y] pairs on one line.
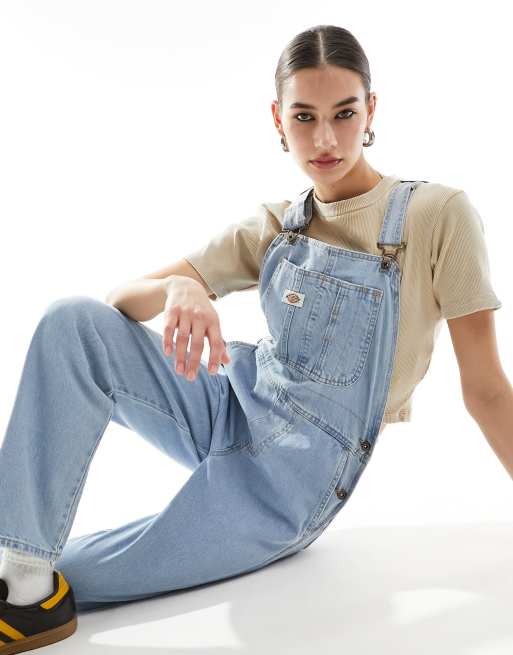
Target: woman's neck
[[355, 183]]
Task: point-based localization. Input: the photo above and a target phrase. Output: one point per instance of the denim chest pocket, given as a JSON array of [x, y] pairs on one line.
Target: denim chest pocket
[[322, 325]]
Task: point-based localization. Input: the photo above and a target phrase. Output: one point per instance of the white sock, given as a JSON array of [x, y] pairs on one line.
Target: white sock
[[28, 578]]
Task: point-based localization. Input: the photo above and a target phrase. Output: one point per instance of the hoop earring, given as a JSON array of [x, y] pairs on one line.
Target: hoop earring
[[371, 137], [284, 144]]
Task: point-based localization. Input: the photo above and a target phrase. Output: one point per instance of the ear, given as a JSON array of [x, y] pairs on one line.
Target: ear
[[371, 107], [277, 117]]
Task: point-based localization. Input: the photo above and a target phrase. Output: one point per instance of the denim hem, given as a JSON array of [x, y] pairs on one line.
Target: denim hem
[[16, 544]]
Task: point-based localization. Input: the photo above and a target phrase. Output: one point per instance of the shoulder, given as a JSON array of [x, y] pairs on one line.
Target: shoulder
[[442, 208], [262, 225], [434, 196], [276, 211]]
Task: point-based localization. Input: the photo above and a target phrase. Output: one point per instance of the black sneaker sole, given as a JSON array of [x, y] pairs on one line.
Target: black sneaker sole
[[41, 639]]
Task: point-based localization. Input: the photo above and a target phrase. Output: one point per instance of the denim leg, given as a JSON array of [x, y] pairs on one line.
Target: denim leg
[[240, 510], [87, 364], [216, 527]]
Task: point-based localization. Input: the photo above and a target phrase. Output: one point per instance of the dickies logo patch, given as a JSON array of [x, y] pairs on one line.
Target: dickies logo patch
[[293, 297]]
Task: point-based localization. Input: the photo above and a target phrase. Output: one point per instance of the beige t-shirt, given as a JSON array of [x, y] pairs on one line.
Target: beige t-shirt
[[445, 267]]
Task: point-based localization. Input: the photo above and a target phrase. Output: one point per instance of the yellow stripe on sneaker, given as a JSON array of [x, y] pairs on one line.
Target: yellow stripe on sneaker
[[10, 631], [61, 591]]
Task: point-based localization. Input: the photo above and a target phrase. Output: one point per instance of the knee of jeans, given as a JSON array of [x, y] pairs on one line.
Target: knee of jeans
[[69, 306], [62, 316]]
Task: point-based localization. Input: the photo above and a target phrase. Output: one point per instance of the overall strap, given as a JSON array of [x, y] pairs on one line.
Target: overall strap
[[299, 213], [392, 228]]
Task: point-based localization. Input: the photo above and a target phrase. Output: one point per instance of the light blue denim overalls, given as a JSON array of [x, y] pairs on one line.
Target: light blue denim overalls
[[276, 441]]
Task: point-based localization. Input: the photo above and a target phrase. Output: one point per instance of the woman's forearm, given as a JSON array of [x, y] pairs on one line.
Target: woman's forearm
[[141, 299], [495, 418]]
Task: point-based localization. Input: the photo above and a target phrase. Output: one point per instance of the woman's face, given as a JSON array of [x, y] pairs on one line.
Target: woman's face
[[323, 128]]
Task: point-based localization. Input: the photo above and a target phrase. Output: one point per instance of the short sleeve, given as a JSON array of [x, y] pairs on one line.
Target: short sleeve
[[460, 263], [230, 261]]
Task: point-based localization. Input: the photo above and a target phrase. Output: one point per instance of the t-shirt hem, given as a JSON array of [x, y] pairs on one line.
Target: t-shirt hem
[[457, 309], [216, 290], [401, 416]]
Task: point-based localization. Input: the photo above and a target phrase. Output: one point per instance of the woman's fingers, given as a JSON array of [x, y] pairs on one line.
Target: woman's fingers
[[182, 341], [197, 341], [169, 330], [217, 348], [197, 324]]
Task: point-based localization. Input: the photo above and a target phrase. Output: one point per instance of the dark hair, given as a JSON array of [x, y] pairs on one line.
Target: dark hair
[[320, 46]]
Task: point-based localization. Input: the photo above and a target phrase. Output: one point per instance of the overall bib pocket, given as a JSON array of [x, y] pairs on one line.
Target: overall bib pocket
[[322, 325]]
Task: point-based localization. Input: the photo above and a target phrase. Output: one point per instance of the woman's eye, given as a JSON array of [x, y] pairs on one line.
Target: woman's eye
[[341, 112]]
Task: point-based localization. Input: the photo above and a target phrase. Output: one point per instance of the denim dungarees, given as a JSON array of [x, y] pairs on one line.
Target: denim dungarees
[[276, 441], [315, 389]]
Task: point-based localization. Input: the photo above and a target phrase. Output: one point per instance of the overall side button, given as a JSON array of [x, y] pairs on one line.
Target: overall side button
[[341, 493]]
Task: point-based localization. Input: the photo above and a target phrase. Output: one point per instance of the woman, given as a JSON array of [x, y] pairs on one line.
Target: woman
[[354, 278]]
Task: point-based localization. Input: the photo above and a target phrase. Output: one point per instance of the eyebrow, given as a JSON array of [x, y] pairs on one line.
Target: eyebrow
[[302, 105]]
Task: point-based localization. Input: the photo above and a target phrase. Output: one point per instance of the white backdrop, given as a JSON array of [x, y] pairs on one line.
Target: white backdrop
[[131, 132]]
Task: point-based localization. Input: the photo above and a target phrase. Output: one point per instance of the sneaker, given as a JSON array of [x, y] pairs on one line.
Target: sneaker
[[24, 627]]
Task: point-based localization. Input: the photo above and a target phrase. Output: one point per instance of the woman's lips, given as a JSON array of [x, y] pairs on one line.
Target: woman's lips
[[326, 164]]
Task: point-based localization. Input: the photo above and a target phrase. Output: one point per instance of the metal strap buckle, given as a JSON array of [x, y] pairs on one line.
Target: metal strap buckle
[[382, 247], [387, 256], [292, 234]]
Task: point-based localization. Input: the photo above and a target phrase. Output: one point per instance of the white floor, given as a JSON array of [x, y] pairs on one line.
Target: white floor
[[420, 589]]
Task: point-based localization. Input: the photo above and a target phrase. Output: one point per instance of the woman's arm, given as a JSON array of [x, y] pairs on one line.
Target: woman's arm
[[144, 298], [495, 418], [487, 392]]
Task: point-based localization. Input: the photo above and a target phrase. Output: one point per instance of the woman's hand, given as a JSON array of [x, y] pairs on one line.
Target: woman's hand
[[189, 310]]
